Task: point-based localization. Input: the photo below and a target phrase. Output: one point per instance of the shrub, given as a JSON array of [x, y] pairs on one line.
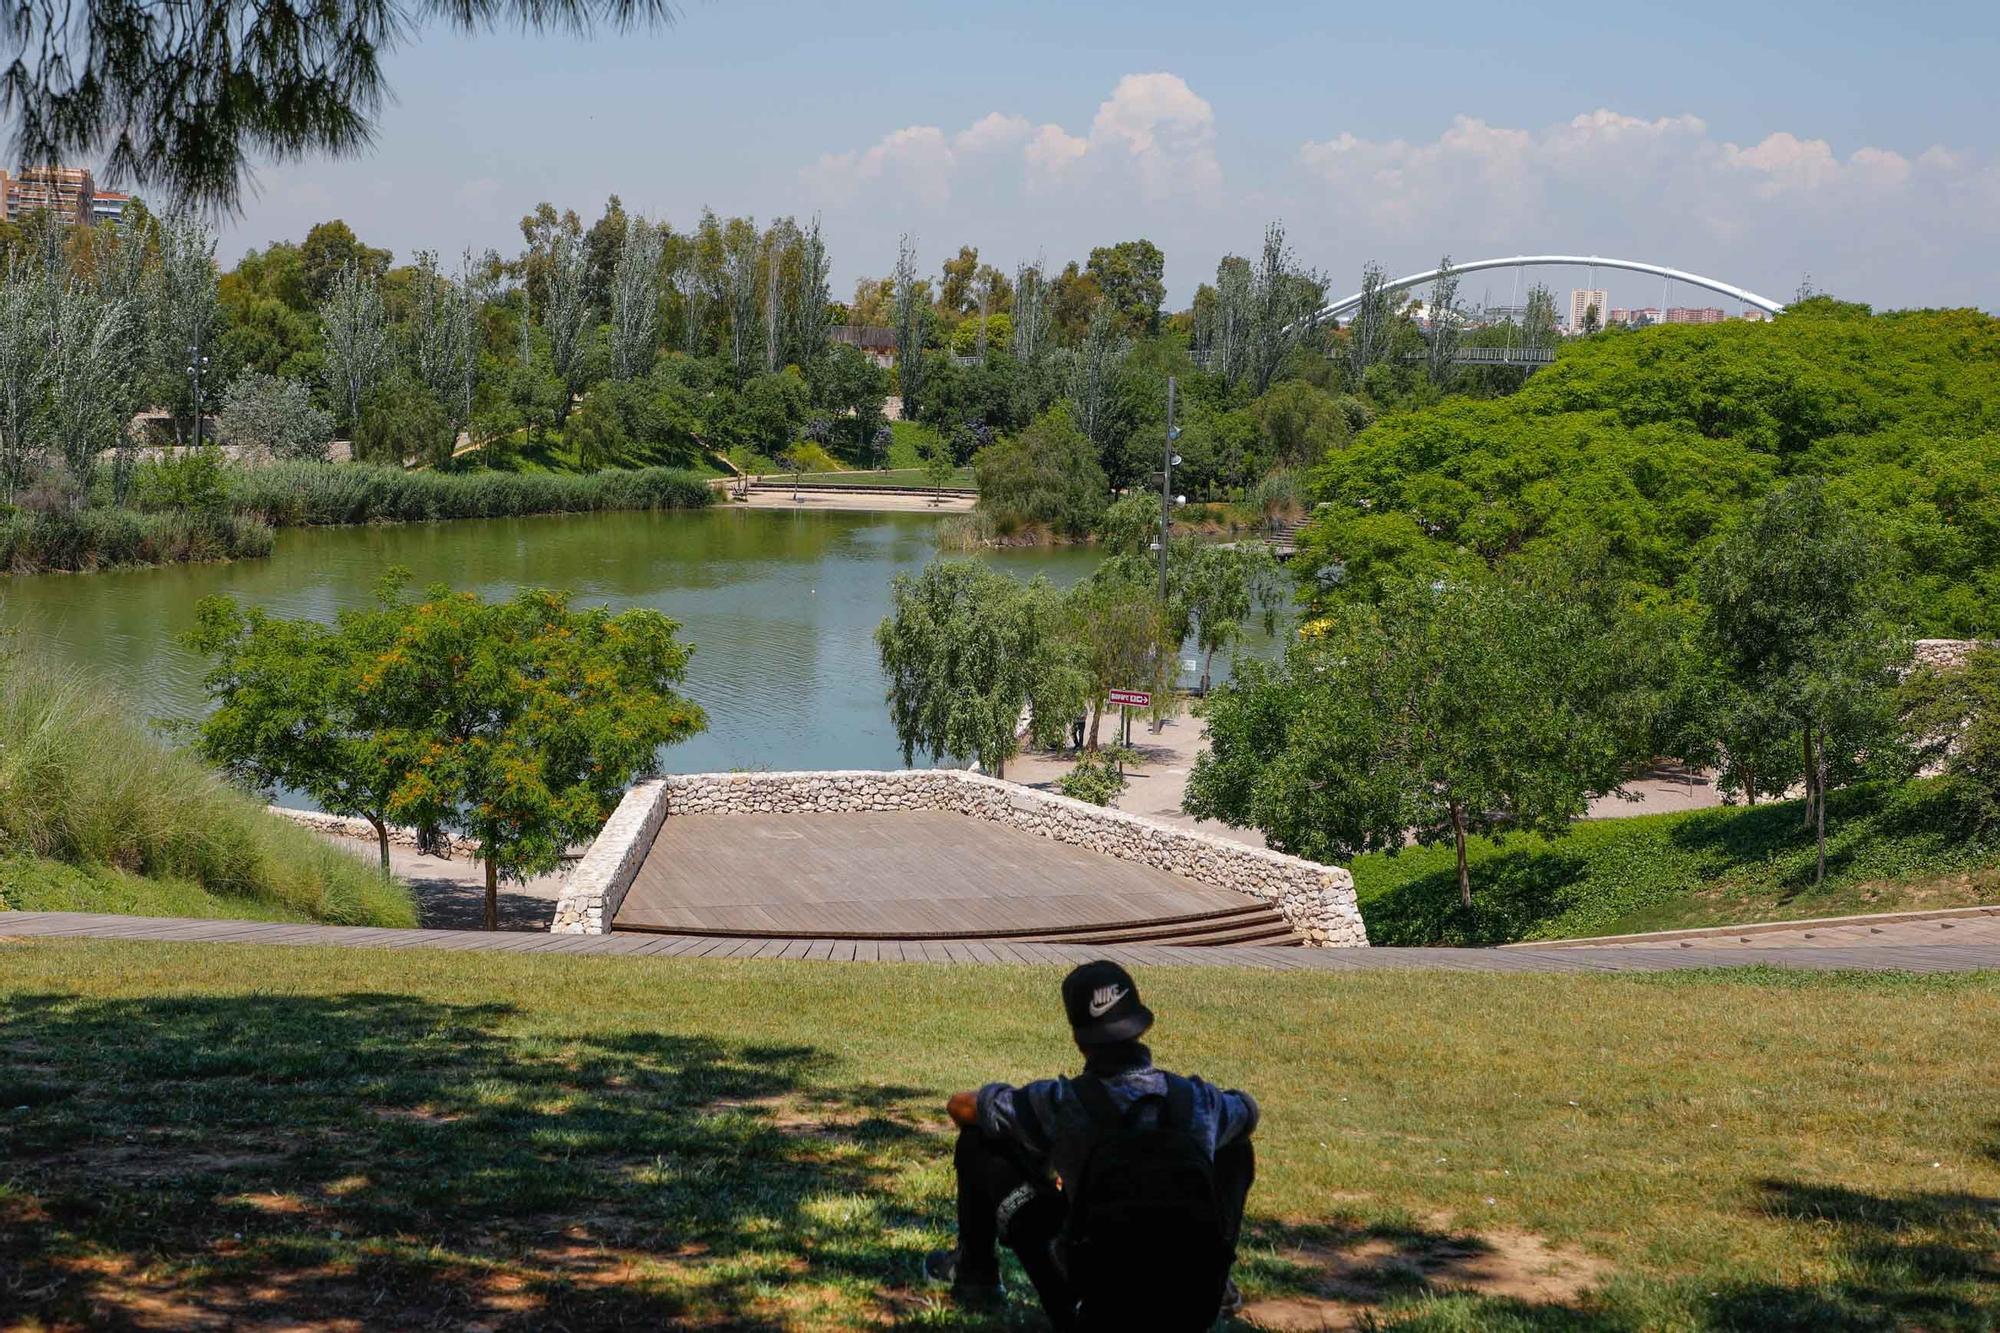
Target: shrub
[[83, 782], [1046, 474], [315, 494], [1096, 778], [275, 415], [86, 539]]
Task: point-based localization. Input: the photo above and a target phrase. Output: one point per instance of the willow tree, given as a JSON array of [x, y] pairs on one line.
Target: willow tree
[[635, 301], [354, 335]]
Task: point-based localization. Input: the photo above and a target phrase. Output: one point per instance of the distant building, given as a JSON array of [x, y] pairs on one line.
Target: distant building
[[1708, 314], [1580, 302], [67, 192], [108, 206], [1754, 315], [1620, 316], [876, 342], [1645, 315]]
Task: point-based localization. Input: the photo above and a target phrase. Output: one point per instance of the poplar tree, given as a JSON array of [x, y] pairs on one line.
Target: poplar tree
[[1368, 332], [354, 335], [1031, 314], [635, 301], [566, 314], [444, 335], [1444, 325], [912, 316], [808, 317]]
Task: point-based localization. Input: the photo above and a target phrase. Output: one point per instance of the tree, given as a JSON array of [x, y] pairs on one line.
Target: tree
[[1216, 587], [912, 315], [1120, 637], [939, 464], [328, 251], [1801, 619], [808, 303], [1047, 474], [89, 379], [24, 345], [279, 417], [1444, 325], [1030, 334], [566, 313], [185, 312], [1539, 329], [444, 335], [1131, 276], [1283, 302], [1951, 712], [635, 302], [1368, 330], [400, 423], [354, 335], [1092, 381], [1455, 708], [964, 649], [517, 724], [285, 696], [183, 106]]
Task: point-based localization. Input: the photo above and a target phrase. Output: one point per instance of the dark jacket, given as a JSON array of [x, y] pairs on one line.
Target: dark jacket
[[1047, 1120]]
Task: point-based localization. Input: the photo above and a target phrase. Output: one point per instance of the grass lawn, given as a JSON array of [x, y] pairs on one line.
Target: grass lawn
[[551, 453], [221, 1134], [1888, 847]]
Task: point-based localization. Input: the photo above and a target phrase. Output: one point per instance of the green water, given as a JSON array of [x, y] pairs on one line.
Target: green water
[[781, 608]]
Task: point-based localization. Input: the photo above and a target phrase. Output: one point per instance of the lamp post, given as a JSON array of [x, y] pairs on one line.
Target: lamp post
[[196, 363]]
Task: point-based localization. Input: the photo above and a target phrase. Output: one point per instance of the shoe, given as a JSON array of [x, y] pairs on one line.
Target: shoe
[[973, 1289]]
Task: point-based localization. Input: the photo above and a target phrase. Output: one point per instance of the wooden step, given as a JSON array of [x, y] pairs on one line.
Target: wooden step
[[1254, 922]]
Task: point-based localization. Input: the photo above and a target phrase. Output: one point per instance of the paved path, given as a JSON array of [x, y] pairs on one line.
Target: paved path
[[860, 502], [1952, 957], [1958, 926]]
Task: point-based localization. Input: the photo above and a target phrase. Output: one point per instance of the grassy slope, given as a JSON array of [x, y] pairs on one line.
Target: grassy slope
[[1887, 848], [915, 477], [526, 1142], [148, 829]]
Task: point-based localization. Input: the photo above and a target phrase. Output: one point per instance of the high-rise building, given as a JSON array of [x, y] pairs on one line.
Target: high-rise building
[[1580, 302], [1707, 314], [67, 192], [108, 206], [1619, 317]]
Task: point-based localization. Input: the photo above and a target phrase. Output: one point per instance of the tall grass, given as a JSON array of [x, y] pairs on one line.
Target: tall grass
[[313, 494], [83, 782], [35, 542]]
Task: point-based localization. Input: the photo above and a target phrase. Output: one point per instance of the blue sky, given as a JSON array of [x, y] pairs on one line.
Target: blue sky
[[1754, 142]]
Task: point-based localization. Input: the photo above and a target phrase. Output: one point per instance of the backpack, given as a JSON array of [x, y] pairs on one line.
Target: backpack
[[1143, 1244]]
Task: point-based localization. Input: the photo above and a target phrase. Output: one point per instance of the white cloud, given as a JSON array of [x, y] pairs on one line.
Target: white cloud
[[1153, 134], [1670, 190]]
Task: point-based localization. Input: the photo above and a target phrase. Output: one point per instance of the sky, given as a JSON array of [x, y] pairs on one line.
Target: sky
[[1759, 142]]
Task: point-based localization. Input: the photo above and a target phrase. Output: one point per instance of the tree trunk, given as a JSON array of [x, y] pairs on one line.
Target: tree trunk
[[1819, 817], [1750, 783], [492, 895], [1458, 838], [1096, 716], [1812, 788], [1207, 661], [381, 841]]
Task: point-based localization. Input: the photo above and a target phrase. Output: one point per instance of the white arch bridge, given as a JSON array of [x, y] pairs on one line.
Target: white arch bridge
[[1735, 293]]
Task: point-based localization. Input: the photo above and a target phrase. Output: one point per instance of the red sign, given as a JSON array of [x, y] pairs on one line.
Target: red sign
[[1132, 698]]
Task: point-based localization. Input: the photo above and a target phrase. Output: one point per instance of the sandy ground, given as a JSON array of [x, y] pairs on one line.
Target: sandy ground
[[862, 503], [1154, 788], [451, 895]]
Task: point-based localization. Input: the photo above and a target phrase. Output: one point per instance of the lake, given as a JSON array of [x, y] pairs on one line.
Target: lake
[[781, 607]]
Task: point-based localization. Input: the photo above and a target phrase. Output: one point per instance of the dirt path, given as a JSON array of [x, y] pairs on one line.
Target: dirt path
[[451, 895]]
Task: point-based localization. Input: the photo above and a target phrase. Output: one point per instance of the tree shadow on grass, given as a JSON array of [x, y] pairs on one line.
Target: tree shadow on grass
[[1925, 1259], [397, 1162], [1514, 891]]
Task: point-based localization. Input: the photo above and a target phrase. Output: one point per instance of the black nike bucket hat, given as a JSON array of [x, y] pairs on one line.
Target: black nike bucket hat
[[1102, 1002]]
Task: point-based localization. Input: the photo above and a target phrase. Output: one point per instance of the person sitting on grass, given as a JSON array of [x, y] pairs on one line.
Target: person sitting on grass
[[1121, 1191]]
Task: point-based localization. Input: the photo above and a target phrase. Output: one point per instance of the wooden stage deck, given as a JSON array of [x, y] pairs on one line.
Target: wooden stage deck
[[911, 874]]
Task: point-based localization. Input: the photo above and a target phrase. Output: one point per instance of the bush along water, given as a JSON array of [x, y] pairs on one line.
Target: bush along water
[[33, 542], [312, 494]]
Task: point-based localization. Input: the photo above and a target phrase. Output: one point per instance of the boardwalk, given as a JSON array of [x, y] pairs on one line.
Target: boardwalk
[[895, 875], [1980, 952]]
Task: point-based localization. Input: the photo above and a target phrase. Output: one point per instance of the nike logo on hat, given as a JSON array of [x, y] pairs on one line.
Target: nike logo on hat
[[1105, 998]]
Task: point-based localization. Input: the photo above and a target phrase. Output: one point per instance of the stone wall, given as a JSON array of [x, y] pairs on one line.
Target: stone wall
[[346, 826], [1942, 652], [596, 888], [1318, 900]]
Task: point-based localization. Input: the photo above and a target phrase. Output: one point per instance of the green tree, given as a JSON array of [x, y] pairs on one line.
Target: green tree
[[1132, 277], [939, 464], [277, 416], [517, 724], [965, 649], [1119, 637], [329, 249], [1802, 621], [1951, 713], [1456, 708], [1047, 474], [286, 697]]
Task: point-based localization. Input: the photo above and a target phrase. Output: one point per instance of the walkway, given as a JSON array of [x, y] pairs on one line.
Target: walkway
[[1952, 957], [908, 874]]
